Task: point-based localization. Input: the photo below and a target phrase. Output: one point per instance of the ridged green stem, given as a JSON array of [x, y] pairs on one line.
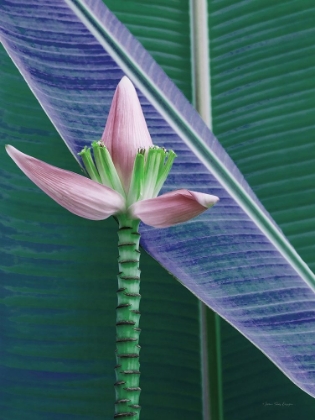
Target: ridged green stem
[[127, 321]]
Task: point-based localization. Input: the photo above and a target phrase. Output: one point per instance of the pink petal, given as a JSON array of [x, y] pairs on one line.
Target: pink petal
[[126, 130], [80, 195], [172, 208]]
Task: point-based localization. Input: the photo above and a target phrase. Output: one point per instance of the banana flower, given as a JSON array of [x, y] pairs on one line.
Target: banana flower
[[127, 173]]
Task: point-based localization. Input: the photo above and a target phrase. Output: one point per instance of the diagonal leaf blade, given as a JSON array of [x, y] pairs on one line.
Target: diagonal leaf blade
[[259, 283]]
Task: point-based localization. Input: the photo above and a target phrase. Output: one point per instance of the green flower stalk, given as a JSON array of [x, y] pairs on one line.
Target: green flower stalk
[[127, 388], [127, 173]]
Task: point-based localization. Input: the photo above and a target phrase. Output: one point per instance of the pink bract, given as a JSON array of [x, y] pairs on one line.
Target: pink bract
[[78, 194], [172, 208], [126, 130]]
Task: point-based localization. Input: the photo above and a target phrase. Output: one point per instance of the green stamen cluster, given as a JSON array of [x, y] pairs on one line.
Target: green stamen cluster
[[150, 170], [103, 170]]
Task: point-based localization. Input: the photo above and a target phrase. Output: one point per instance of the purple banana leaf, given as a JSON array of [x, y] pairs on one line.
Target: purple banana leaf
[[73, 53]]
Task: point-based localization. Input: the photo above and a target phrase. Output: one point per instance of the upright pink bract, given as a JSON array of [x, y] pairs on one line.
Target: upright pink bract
[[126, 130]]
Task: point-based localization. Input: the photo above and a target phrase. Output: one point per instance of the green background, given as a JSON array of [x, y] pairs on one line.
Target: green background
[[58, 272]]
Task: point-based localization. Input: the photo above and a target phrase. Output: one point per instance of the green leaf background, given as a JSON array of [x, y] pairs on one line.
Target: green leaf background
[[58, 272]]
